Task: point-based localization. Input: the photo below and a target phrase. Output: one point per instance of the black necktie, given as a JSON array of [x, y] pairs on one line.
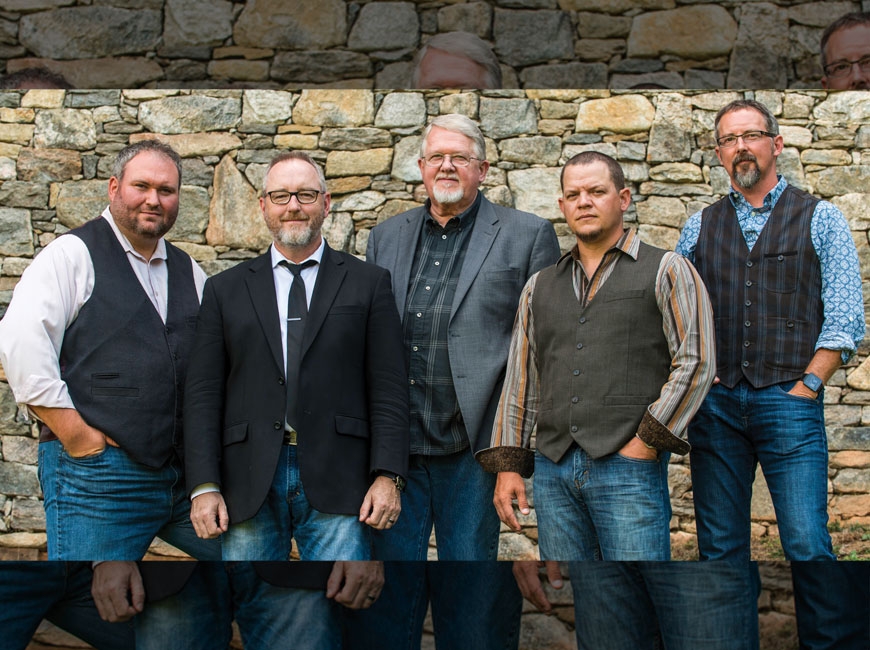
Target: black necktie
[[297, 311]]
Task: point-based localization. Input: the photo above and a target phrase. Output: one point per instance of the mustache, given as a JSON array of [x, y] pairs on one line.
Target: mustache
[[744, 157]]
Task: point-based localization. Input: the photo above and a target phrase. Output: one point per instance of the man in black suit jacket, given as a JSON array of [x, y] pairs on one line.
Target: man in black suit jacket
[[298, 414]]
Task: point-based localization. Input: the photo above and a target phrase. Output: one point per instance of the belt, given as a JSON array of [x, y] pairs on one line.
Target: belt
[[290, 436]]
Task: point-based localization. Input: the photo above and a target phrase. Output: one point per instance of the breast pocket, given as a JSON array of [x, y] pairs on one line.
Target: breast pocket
[[779, 272]]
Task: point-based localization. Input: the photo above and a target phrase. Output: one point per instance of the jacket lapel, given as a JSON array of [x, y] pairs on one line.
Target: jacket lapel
[[483, 234], [329, 278], [261, 286], [406, 245]]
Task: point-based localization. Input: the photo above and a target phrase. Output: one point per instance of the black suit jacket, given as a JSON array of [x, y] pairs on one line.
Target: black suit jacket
[[164, 579], [353, 392]]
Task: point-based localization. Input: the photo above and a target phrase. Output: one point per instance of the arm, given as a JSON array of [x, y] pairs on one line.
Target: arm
[[687, 321], [356, 585], [118, 591], [689, 237]]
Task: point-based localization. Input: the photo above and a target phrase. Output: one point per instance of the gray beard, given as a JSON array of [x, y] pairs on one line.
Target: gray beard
[[447, 197], [748, 179], [296, 238]]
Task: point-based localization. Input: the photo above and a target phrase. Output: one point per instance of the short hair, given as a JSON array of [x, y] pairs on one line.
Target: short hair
[[463, 44], [770, 123], [294, 155], [853, 19], [457, 124], [26, 77], [589, 157], [132, 150]]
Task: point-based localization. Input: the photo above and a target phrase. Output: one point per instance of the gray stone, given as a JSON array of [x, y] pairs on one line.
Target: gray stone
[[190, 114], [20, 449], [338, 230], [462, 103], [842, 438], [19, 480], [854, 208], [89, 32], [474, 17], [395, 75], [368, 200], [235, 217], [848, 107], [552, 30], [536, 190], [354, 139], [7, 169], [213, 267], [266, 106], [855, 481], [28, 514], [540, 631], [660, 236], [796, 136], [789, 165], [673, 189], [401, 109], [81, 201], [564, 75], [619, 114], [11, 422], [703, 79], [385, 26], [627, 150], [321, 66], [197, 22], [503, 118], [516, 546], [291, 24], [18, 194], [818, 14], [635, 172], [671, 132], [666, 79], [661, 211], [192, 215], [840, 180], [676, 32], [91, 98], [598, 25], [405, 156], [46, 165], [532, 150], [676, 173], [15, 266], [760, 58], [825, 157], [719, 181], [334, 107], [637, 66], [196, 172], [571, 150], [65, 129]]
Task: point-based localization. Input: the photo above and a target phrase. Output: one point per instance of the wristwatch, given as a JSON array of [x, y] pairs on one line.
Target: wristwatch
[[397, 480], [813, 382]]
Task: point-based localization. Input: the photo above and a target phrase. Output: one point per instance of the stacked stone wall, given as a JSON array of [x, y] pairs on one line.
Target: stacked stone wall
[[370, 44]]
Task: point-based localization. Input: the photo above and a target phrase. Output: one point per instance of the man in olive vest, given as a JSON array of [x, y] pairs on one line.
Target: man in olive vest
[[612, 353]]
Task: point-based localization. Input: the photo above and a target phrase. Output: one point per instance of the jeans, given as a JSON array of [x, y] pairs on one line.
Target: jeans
[[454, 494], [286, 514], [474, 605], [832, 605], [737, 428], [199, 617], [109, 507], [60, 592], [684, 605], [610, 508]]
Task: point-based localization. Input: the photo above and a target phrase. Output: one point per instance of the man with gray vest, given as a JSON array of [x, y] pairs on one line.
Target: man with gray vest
[[783, 275], [95, 345], [612, 353]]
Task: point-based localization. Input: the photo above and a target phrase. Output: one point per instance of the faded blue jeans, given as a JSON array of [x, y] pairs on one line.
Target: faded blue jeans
[[685, 605], [608, 508], [199, 617], [109, 507]]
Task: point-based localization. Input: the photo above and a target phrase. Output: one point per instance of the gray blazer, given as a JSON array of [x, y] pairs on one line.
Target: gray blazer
[[506, 248]]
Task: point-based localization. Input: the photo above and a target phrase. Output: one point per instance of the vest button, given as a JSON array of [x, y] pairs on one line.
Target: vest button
[[748, 303], [573, 428], [576, 372], [749, 263], [575, 399], [749, 283], [789, 323], [745, 344], [582, 319], [579, 345], [747, 323], [779, 258], [277, 425], [745, 364]]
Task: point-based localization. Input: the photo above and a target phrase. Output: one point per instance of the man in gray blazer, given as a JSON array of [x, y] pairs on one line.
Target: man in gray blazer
[[458, 265]]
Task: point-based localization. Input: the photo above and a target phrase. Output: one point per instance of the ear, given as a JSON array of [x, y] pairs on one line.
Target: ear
[[484, 167], [624, 198], [114, 186], [719, 155], [778, 145], [327, 201]]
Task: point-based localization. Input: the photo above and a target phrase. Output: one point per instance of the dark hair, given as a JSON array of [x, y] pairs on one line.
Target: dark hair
[[853, 19], [27, 76], [770, 123], [589, 157], [132, 150], [294, 155]]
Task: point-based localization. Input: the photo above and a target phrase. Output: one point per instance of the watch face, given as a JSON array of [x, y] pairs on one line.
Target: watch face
[[812, 382]]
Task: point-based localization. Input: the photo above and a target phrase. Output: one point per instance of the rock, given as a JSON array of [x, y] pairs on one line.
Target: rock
[[20, 449], [474, 17], [552, 30], [840, 180], [532, 150], [197, 22], [292, 141], [368, 200], [355, 139], [348, 184], [199, 252], [598, 25], [320, 66], [541, 631], [89, 32], [81, 201], [396, 206], [560, 75], [192, 219], [850, 505], [65, 129], [354, 163], [536, 190], [676, 32], [796, 136], [660, 236], [190, 113], [338, 230], [619, 114], [401, 109], [239, 70], [760, 58], [860, 459], [405, 157], [18, 480], [43, 98], [614, 6], [108, 72], [516, 546], [385, 26], [761, 506], [46, 165], [235, 216], [671, 132], [851, 107], [335, 107], [661, 211], [19, 194], [28, 515], [7, 169], [503, 118], [266, 106], [462, 103], [17, 133], [852, 481], [190, 145], [825, 157], [676, 173], [854, 208], [23, 540], [291, 24]]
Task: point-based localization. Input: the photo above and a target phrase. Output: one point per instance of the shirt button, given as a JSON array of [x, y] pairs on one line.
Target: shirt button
[[281, 381], [582, 319], [428, 287], [575, 399], [780, 258], [789, 323], [745, 364], [579, 345], [749, 263], [419, 314], [747, 323], [443, 236], [412, 382], [576, 372], [415, 348], [277, 425], [748, 303], [437, 263]]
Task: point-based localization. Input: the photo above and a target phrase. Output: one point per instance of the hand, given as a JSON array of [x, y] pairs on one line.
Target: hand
[[208, 514], [356, 585], [89, 442], [382, 505], [635, 448], [510, 486], [800, 389], [529, 581], [78, 438], [118, 591]]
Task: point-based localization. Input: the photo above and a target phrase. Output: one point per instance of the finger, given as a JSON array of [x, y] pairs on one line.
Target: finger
[[336, 577], [137, 592], [522, 502], [554, 573], [366, 508], [505, 509]]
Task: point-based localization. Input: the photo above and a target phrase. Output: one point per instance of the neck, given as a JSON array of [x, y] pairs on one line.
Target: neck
[[145, 246], [755, 195], [444, 212], [592, 252], [298, 254]]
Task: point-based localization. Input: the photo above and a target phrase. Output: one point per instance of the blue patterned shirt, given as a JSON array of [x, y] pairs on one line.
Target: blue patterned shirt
[[843, 300]]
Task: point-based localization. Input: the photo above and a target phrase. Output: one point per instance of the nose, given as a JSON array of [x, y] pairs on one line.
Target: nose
[[583, 199], [152, 196]]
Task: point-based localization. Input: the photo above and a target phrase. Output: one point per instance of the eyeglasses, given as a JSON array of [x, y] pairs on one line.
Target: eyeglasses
[[282, 197], [839, 69], [458, 160], [748, 137]]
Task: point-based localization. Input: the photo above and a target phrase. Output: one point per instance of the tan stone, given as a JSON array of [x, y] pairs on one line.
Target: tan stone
[[554, 127], [239, 69], [676, 32], [199, 252], [335, 107], [348, 184], [859, 378], [79, 201], [191, 145], [676, 173], [250, 53], [291, 24], [48, 164], [298, 128], [8, 150], [235, 216], [851, 505], [16, 133], [43, 98], [17, 115], [355, 163], [296, 141], [24, 540], [850, 458], [620, 114]]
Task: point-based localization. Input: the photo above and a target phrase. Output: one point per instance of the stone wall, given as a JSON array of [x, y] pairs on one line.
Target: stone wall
[[56, 148], [366, 44]]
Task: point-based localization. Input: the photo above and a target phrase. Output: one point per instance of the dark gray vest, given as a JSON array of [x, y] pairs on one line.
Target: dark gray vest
[[123, 366], [768, 302], [602, 366]]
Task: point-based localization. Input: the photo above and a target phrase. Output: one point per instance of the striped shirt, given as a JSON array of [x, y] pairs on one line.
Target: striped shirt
[[687, 323]]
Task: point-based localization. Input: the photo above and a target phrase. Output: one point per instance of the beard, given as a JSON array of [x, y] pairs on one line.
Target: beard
[[127, 218], [746, 179], [447, 197], [296, 237]]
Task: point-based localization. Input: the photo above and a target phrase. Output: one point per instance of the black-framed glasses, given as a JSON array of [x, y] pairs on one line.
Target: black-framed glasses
[[458, 160], [839, 69], [282, 197], [748, 137]]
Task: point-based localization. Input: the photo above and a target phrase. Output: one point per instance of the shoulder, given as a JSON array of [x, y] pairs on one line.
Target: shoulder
[[396, 221], [514, 216], [355, 265]]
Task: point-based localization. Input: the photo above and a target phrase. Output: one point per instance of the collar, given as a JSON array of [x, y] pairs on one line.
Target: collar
[[159, 251], [739, 201], [629, 244], [317, 255], [461, 221]]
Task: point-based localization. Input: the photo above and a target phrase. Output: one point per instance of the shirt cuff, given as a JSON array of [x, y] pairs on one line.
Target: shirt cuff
[[657, 435], [203, 488], [507, 459]]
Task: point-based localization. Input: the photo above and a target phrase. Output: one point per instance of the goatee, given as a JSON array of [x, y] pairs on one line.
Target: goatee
[[746, 179]]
